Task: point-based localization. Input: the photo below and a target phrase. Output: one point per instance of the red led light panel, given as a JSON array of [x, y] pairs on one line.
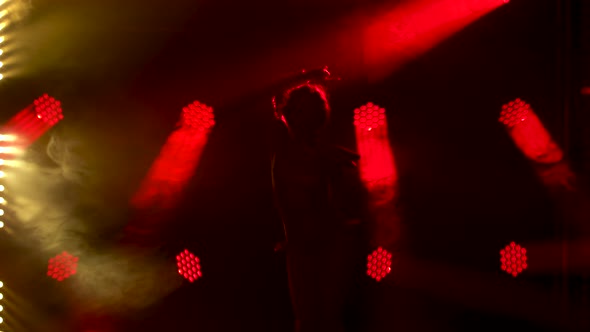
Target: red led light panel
[[189, 265], [62, 266], [48, 109], [198, 116], [369, 117], [513, 259], [379, 264]]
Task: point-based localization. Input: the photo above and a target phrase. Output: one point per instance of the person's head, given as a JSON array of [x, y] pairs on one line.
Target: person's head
[[305, 110]]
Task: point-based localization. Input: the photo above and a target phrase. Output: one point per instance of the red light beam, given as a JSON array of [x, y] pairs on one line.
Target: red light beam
[[378, 172], [409, 30], [35, 120]]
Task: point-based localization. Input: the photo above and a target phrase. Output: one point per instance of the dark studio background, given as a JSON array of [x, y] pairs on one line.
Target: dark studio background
[[124, 72]]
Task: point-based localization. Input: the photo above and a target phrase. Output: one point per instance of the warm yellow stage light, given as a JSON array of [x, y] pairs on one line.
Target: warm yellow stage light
[[1, 308], [1, 212], [7, 138], [3, 13], [1, 51], [2, 174], [1, 64], [1, 320], [1, 39], [1, 296], [3, 25], [8, 149], [1, 76], [2, 200], [1, 284], [1, 187], [1, 226]]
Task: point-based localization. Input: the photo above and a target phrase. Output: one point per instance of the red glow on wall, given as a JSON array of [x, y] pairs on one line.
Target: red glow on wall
[[33, 121], [513, 259], [377, 163], [528, 133], [62, 266], [379, 264], [198, 116], [406, 31], [189, 266]]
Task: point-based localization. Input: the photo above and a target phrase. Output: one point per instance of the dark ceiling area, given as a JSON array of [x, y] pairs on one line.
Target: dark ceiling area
[[125, 69]]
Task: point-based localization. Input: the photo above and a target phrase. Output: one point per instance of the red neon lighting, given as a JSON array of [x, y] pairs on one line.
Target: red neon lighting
[[528, 133], [409, 30], [513, 259], [379, 264], [35, 120], [62, 266], [189, 266]]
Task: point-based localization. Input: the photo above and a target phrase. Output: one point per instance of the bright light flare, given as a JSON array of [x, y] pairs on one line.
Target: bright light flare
[[9, 150], [2, 174], [62, 266], [513, 259], [1, 187], [189, 266], [411, 29], [7, 138], [379, 264], [528, 133], [2, 201], [1, 224]]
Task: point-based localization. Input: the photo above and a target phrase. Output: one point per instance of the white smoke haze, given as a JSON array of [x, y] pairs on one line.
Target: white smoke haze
[[56, 209]]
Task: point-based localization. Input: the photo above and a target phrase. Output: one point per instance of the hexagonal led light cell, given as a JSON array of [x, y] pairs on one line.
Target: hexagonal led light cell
[[515, 112], [189, 266], [513, 259], [379, 264], [48, 109], [369, 117], [198, 116], [62, 266]]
